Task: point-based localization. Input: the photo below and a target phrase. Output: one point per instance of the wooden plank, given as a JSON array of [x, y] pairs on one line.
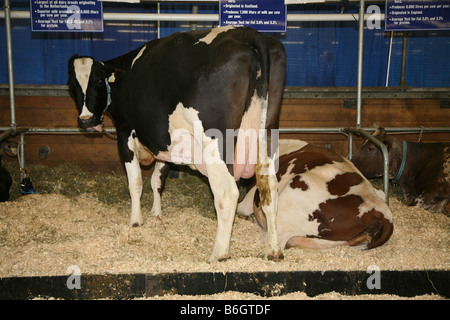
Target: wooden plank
[[43, 112], [99, 153]]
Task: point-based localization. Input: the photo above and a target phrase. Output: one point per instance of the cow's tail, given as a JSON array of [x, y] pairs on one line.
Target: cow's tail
[[263, 72], [380, 236], [376, 234], [266, 167], [270, 80]]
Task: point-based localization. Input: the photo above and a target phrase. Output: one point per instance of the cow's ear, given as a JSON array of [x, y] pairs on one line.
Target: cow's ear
[[70, 63], [380, 134], [388, 141]]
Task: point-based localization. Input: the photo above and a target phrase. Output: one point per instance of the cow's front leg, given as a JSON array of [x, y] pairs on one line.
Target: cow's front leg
[[135, 187], [160, 172], [134, 175]]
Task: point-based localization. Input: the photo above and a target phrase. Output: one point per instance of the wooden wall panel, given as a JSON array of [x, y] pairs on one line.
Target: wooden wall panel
[[99, 153]]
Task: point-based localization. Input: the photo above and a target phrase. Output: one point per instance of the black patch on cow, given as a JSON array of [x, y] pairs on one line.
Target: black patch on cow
[[342, 183], [338, 218], [298, 183], [306, 159]]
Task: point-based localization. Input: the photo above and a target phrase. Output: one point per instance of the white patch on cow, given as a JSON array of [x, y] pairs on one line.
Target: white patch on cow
[[156, 184], [112, 78], [372, 200], [292, 219], [138, 55], [213, 34], [290, 145], [184, 148], [85, 113], [134, 176], [82, 67], [286, 178], [258, 74], [190, 143]]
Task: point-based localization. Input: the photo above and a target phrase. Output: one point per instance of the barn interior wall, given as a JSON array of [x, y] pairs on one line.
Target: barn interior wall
[[98, 152]]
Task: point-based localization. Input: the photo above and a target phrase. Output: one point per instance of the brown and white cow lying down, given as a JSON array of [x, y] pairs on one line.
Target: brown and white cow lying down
[[324, 201], [421, 169]]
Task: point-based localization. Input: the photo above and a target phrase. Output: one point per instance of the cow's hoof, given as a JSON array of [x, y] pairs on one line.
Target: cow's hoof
[[225, 258], [275, 257], [220, 259], [135, 224]]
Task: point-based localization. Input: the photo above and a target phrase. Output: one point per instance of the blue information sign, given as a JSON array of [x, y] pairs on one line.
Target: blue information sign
[[262, 15], [66, 15], [417, 14]]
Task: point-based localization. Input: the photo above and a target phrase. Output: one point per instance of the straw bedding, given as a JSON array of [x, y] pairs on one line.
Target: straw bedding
[[81, 219]]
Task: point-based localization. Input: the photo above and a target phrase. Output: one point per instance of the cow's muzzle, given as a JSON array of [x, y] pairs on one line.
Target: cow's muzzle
[[90, 124]]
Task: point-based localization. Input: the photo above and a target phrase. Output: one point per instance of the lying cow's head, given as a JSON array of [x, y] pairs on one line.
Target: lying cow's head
[[9, 148], [369, 159], [88, 85]]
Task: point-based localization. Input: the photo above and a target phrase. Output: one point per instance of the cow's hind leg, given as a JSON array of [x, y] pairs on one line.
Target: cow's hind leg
[[225, 193], [268, 189], [267, 184]]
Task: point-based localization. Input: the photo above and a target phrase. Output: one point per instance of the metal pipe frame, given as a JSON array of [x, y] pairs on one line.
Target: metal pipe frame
[[360, 64], [7, 14], [10, 63], [118, 16], [338, 130]]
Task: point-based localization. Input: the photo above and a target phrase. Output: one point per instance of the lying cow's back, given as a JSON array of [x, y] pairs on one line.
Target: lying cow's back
[[324, 201]]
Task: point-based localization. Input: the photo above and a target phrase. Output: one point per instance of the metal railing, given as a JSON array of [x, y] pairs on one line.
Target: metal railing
[[7, 14]]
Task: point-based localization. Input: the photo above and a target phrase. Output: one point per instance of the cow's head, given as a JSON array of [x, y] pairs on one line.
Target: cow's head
[[88, 85], [369, 159]]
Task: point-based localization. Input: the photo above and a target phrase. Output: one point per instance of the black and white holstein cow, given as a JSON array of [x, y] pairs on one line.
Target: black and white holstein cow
[[324, 201], [422, 170], [175, 99]]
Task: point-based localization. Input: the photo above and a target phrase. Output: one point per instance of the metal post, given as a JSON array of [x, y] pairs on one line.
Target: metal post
[[385, 153], [360, 64], [158, 21], [10, 64], [404, 53], [350, 146], [389, 58], [194, 11]]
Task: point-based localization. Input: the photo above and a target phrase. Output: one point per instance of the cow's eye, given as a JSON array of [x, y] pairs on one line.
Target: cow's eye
[[370, 148]]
